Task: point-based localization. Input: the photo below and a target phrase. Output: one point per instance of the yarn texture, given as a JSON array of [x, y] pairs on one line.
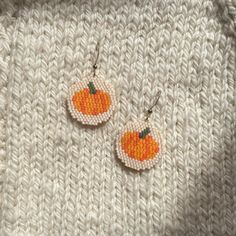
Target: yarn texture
[[58, 177]]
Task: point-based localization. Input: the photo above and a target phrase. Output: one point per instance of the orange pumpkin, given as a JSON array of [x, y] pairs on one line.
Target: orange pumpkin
[[91, 101], [139, 145]]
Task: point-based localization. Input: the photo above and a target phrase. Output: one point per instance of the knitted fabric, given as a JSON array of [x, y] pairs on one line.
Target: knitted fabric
[[58, 177]]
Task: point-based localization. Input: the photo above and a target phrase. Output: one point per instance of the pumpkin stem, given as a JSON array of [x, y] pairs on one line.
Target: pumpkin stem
[[144, 133], [92, 88]]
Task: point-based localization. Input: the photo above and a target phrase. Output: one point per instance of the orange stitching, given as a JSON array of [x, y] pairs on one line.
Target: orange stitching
[[91, 104], [137, 148]]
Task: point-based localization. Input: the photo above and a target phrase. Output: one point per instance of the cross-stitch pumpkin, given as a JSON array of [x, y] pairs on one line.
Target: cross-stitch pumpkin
[[139, 145], [91, 101]]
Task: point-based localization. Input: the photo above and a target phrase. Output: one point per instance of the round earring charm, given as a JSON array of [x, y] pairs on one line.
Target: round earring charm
[[91, 101], [138, 145]]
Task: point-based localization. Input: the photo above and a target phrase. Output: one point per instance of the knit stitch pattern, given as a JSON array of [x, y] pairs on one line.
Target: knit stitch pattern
[[58, 177]]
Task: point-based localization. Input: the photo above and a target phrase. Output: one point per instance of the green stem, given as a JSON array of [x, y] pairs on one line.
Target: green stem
[[144, 133], [92, 88]]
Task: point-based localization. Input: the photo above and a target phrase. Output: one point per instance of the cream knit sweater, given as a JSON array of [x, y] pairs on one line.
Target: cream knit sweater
[[60, 178]]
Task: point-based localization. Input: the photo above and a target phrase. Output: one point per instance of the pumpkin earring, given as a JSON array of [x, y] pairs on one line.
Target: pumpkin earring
[[139, 144], [92, 100]]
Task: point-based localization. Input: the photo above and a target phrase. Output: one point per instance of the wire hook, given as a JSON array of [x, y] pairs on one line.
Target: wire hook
[[96, 59], [150, 110]]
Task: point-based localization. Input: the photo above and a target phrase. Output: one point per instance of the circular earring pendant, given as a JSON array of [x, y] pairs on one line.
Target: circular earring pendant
[[91, 101], [139, 145]]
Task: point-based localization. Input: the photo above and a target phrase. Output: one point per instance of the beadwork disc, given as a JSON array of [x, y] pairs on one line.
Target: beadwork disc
[[138, 145], [91, 101]]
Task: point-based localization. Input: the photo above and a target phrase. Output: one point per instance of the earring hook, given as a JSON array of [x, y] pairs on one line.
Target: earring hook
[[96, 59], [150, 110]]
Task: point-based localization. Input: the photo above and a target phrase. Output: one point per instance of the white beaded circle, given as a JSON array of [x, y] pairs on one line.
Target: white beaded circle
[[100, 85], [133, 129]]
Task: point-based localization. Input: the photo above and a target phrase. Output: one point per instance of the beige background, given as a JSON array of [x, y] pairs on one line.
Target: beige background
[[60, 178]]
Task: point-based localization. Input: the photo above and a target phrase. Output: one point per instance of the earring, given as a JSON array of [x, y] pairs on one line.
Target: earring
[[139, 143], [92, 100]]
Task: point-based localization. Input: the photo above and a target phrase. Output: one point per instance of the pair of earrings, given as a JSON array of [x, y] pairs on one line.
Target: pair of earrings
[[92, 101]]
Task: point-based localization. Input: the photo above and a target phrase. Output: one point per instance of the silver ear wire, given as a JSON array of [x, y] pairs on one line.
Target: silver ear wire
[[150, 110], [96, 59]]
